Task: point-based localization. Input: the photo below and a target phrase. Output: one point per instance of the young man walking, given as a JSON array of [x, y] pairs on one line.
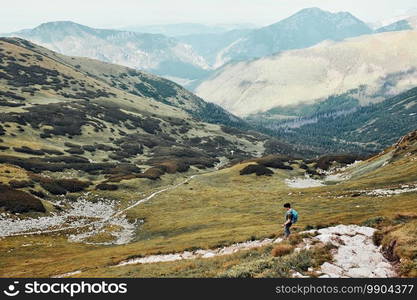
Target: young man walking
[[291, 216]]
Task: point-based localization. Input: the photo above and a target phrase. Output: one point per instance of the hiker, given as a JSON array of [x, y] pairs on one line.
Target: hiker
[[291, 217]]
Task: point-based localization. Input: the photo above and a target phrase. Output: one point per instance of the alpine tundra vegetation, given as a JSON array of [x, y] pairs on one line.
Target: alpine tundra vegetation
[[109, 167]]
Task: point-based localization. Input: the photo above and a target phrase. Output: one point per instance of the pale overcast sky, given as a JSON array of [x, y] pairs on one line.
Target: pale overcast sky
[[19, 14]]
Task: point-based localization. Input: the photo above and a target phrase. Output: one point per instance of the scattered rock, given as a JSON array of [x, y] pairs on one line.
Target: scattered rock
[[295, 274]]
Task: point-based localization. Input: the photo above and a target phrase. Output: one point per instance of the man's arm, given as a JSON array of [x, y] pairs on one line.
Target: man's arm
[[288, 218]]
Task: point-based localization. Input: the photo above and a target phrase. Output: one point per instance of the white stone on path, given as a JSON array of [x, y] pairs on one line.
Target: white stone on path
[[362, 272], [331, 270], [356, 255]]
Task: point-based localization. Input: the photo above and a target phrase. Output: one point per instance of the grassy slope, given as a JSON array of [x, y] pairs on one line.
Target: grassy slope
[[208, 212], [91, 74], [214, 209], [339, 124], [174, 123], [18, 261], [146, 85]]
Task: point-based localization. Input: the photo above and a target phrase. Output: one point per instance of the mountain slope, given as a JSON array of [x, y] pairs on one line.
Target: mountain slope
[[377, 66], [338, 125], [151, 52], [57, 115], [210, 44], [303, 29], [409, 23], [185, 29], [147, 85], [206, 213]]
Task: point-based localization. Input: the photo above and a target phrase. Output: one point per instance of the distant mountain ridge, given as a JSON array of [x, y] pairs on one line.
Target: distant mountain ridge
[[183, 29], [150, 52], [377, 66], [210, 45], [189, 52], [409, 23], [303, 29]]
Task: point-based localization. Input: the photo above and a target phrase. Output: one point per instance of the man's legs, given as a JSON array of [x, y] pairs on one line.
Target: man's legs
[[287, 231]]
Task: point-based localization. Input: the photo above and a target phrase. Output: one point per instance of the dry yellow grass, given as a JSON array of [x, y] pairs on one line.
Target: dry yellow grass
[[281, 250], [10, 172], [214, 209], [399, 241]]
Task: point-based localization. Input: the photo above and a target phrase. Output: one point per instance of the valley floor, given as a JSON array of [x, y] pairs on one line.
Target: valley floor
[[220, 209]]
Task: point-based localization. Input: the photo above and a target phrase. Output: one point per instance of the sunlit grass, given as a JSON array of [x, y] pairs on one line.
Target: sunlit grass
[[212, 210]]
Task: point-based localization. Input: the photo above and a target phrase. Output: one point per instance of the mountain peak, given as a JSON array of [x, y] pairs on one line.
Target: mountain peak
[[59, 24], [305, 28], [311, 10], [315, 16], [151, 52], [318, 12]]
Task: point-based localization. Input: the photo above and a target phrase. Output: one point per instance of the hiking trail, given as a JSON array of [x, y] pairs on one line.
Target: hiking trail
[[355, 254]]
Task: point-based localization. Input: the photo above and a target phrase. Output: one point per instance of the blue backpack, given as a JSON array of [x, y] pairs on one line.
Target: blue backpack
[[294, 214]]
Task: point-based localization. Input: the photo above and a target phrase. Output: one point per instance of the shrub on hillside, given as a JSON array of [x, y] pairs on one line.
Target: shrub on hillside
[[173, 166], [272, 161], [53, 188], [106, 187], [124, 169], [60, 186], [72, 185], [131, 149], [325, 162], [16, 201], [259, 170], [56, 164], [249, 269], [295, 239], [75, 151], [37, 193], [89, 148], [28, 150], [118, 177], [152, 173], [19, 184], [52, 152], [71, 145]]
